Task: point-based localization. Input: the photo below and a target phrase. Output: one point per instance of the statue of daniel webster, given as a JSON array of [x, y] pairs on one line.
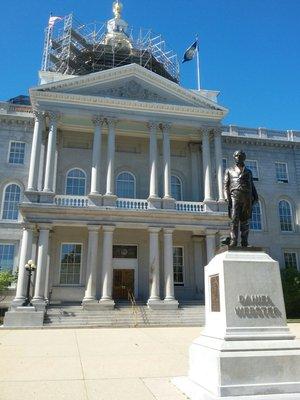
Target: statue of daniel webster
[[240, 193]]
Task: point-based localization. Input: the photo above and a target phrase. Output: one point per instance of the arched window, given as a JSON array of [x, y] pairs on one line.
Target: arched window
[[125, 185], [285, 216], [76, 181], [11, 202], [256, 223], [176, 188]]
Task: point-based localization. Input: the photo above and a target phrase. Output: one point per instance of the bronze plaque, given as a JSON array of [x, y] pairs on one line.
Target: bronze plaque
[[214, 293]]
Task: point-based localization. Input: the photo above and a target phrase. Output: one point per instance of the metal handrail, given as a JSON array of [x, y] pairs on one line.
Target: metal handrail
[[134, 307]]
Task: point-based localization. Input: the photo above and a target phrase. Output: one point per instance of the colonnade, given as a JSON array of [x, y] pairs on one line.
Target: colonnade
[[109, 195]]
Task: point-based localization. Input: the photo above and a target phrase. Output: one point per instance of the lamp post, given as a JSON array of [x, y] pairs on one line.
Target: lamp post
[[30, 267]]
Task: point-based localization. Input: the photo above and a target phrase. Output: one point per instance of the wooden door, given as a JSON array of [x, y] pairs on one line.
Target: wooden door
[[123, 281]]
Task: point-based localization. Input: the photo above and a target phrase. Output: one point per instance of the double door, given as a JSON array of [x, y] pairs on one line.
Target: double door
[[123, 283]]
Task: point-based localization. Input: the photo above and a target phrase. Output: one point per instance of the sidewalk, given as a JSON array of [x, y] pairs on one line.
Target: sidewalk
[[95, 364]]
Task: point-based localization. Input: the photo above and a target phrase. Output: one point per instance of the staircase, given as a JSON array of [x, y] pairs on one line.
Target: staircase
[[125, 315]]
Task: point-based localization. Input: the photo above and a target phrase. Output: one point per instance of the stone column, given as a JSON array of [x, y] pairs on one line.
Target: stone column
[[210, 244], [51, 148], [107, 268], [153, 199], [169, 300], [199, 263], [154, 299], [109, 198], [25, 255], [168, 201], [194, 149], [96, 160], [35, 152], [206, 166], [92, 265], [41, 267], [219, 166]]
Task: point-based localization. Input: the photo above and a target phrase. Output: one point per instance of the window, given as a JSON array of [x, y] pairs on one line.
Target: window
[[11, 202], [16, 153], [70, 263], [178, 265], [125, 185], [76, 180], [224, 164], [255, 223], [281, 172], [176, 188], [290, 259], [6, 257], [252, 165], [285, 216]]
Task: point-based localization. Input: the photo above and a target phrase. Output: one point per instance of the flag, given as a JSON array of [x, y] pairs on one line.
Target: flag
[[52, 21], [190, 52]]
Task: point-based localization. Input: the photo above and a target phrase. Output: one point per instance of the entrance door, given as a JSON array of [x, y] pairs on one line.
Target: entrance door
[[123, 281]]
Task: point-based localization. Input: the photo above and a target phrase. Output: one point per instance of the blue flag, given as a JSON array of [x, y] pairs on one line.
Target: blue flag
[[190, 52]]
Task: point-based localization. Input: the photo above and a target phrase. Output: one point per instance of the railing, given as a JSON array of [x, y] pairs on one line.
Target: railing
[[290, 135], [134, 306], [132, 204], [190, 206], [71, 201]]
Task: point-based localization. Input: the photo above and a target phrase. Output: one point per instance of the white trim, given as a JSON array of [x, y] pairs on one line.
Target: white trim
[[118, 263], [261, 219], [14, 255], [292, 215], [287, 172], [9, 149], [294, 251], [134, 181], [2, 203], [180, 284], [181, 186], [80, 275], [66, 178]]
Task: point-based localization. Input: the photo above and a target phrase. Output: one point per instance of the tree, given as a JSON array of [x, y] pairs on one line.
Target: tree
[[291, 291], [6, 279]]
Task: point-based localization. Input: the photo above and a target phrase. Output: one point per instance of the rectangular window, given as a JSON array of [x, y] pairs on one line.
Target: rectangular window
[[252, 165], [70, 263], [16, 153], [6, 257], [224, 164], [281, 172], [290, 259], [178, 265]]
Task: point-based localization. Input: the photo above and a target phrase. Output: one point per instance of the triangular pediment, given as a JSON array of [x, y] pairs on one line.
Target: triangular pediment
[[131, 82]]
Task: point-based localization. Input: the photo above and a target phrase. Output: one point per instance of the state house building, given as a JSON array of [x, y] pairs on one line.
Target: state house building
[[111, 175]]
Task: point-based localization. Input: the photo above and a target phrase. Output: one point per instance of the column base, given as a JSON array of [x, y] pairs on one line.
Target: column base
[[168, 203], [39, 304], [154, 202], [23, 317], [90, 304], [31, 196], [17, 303], [109, 200], [171, 304], [155, 304], [211, 205], [95, 199], [106, 304], [223, 206], [47, 197]]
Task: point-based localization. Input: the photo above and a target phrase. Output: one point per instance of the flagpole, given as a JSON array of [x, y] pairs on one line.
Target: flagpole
[[198, 64]]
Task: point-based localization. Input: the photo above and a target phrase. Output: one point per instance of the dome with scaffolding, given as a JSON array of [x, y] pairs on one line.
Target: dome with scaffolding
[[72, 48]]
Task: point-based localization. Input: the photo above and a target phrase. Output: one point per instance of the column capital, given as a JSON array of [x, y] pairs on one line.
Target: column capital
[[211, 232], [27, 226], [198, 238], [38, 114], [153, 125], [93, 228], [168, 231], [108, 228], [111, 121], [217, 131], [154, 229], [165, 127], [205, 130], [97, 120], [45, 226], [53, 116]]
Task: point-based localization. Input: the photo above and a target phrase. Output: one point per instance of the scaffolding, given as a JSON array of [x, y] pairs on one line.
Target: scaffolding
[[74, 48]]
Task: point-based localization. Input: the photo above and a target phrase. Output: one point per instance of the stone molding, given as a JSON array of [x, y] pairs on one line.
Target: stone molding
[[98, 120]]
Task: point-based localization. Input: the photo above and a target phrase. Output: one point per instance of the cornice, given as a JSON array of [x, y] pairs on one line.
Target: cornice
[[260, 142], [16, 121]]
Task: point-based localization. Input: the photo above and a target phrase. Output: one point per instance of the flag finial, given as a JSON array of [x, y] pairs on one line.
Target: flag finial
[[117, 9]]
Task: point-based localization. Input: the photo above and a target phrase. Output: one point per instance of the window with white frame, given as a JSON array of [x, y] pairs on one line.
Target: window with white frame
[[76, 182], [125, 185], [16, 153], [290, 259], [252, 165], [285, 216], [256, 220], [178, 265], [11, 200], [7, 253], [281, 172], [176, 188], [70, 263]]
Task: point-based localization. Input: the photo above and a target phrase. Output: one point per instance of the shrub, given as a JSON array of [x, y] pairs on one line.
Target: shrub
[[6, 279], [291, 290]]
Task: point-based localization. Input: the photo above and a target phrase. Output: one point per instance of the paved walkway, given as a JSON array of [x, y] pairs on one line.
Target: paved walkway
[[95, 364]]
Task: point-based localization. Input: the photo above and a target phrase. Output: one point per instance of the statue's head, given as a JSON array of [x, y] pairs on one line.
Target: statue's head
[[239, 156]]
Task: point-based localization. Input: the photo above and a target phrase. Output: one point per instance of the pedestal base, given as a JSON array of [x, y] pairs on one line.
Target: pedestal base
[[154, 202], [170, 304], [168, 203], [105, 304], [155, 304], [109, 200], [95, 199], [23, 317]]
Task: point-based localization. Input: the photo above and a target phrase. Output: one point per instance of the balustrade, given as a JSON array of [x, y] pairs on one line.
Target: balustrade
[[71, 201]]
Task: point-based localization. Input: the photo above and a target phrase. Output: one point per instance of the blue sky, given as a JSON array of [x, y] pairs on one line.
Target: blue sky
[[249, 49]]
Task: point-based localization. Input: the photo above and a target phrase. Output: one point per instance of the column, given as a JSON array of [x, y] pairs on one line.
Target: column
[[168, 268], [107, 267], [110, 157], [154, 298], [219, 166], [96, 160], [153, 187], [51, 148], [210, 245], [194, 149], [167, 160], [199, 263], [35, 152], [41, 267], [92, 264], [206, 166], [25, 255]]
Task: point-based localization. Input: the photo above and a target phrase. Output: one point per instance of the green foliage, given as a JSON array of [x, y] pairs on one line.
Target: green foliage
[[6, 279], [291, 290]]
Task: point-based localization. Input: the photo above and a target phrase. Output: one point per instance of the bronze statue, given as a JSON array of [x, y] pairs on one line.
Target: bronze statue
[[240, 193]]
